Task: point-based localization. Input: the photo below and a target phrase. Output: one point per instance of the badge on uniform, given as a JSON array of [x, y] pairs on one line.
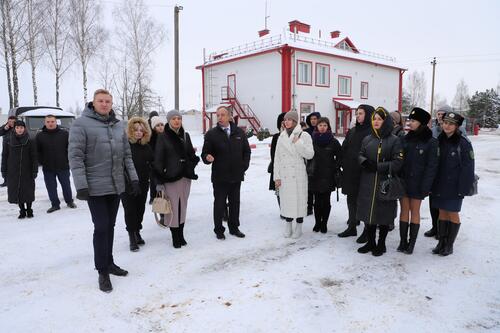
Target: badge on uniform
[[452, 153], [421, 151], [471, 154]]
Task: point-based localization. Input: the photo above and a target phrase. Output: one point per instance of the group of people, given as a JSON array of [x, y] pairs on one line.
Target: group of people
[[112, 162]]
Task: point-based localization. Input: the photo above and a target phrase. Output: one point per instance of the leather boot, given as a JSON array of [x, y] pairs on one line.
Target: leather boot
[[317, 220], [138, 236], [403, 235], [105, 282], [29, 211], [22, 211], [181, 235], [175, 237], [370, 235], [380, 249], [450, 239], [442, 229], [324, 220], [133, 241], [350, 231], [433, 232], [363, 238], [413, 237]]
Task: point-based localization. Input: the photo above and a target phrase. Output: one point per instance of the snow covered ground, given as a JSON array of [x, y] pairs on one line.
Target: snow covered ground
[[263, 283]]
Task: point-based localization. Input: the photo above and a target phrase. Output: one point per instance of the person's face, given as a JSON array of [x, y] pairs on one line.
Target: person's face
[[159, 128], [103, 104], [360, 116], [11, 122], [313, 120], [449, 128], [440, 117], [414, 124], [396, 118], [377, 122], [50, 123], [138, 131], [20, 130], [322, 127], [223, 117], [175, 123], [289, 123]]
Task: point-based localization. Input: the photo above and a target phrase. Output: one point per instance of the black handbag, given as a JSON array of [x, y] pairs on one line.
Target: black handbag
[[391, 188]]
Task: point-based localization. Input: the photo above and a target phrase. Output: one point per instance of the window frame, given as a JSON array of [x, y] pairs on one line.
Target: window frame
[[350, 85], [361, 90], [318, 64], [297, 72], [307, 103]]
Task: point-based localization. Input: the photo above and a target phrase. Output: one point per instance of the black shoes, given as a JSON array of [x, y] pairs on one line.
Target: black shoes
[[403, 235], [105, 283], [53, 209], [116, 270], [3, 184], [316, 227], [29, 213], [221, 236], [350, 231], [309, 211], [370, 235], [133, 241], [22, 214], [237, 233], [71, 205], [181, 235], [139, 239], [363, 238]]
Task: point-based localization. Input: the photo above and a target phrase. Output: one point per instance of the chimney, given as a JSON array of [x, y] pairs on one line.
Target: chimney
[[335, 34], [299, 26], [263, 32]]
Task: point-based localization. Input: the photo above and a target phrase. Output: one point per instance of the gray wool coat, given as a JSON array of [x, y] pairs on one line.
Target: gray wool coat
[[99, 153]]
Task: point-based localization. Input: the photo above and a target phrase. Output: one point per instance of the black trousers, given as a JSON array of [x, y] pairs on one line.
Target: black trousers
[[310, 200], [231, 192], [352, 206], [134, 207], [103, 210], [322, 206]]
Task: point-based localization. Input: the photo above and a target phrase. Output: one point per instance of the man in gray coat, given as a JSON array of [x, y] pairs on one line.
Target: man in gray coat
[[100, 159]]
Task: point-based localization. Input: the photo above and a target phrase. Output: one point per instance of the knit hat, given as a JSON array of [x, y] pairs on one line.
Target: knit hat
[[155, 121], [445, 109], [293, 115], [454, 118], [420, 115], [173, 113], [19, 123]]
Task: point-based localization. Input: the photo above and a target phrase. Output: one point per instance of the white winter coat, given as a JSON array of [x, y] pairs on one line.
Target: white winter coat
[[290, 168]]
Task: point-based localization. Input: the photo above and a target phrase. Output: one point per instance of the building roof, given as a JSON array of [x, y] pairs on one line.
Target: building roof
[[304, 43]]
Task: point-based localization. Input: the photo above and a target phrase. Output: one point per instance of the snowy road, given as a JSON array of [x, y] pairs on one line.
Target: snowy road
[[263, 283]]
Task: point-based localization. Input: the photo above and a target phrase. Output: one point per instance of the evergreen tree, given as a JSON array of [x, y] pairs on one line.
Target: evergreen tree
[[485, 108]]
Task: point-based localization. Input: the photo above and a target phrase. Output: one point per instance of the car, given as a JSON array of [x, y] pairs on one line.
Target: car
[[34, 117]]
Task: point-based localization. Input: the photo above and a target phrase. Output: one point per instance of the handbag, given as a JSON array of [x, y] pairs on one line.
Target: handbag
[[391, 188], [161, 208]]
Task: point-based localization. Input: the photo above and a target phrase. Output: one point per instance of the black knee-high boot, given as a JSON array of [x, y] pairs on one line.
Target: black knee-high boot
[[382, 235], [442, 234], [450, 239], [175, 237], [370, 244], [403, 234], [413, 237]]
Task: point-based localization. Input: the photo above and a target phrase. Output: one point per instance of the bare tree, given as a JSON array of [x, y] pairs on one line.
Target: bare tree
[[14, 29], [5, 51], [417, 89], [439, 101], [138, 36], [86, 34], [57, 38], [461, 99], [35, 10]]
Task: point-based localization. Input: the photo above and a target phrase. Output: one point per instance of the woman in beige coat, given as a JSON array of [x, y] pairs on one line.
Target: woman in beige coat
[[294, 147]]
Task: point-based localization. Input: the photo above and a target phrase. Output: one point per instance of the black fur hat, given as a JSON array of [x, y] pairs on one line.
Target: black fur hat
[[421, 115]]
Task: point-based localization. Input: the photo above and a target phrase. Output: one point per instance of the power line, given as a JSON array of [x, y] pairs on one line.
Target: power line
[[144, 4]]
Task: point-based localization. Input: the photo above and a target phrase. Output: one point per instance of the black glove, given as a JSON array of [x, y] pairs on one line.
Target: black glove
[[82, 194], [34, 175], [369, 165], [136, 188]]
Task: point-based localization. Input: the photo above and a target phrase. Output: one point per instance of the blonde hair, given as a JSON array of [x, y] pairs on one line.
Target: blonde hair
[[102, 91]]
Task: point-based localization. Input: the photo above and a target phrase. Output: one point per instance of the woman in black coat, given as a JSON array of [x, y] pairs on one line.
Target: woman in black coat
[[174, 164], [22, 169], [380, 154], [138, 134], [270, 168], [157, 126], [453, 181], [324, 166], [421, 160], [351, 168]]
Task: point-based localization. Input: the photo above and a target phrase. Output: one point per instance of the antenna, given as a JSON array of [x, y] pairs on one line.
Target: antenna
[[266, 16]]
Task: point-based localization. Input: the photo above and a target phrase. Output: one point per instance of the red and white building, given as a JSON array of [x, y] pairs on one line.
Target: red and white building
[[295, 71]]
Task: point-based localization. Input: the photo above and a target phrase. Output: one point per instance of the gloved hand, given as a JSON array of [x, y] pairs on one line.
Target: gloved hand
[[35, 174], [136, 188], [82, 194], [369, 165]]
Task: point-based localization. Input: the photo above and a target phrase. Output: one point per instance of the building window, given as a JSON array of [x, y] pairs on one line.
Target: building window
[[364, 90], [306, 108], [304, 72], [344, 86], [322, 75]]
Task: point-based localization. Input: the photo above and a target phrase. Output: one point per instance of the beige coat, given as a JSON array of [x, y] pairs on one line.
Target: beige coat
[[290, 168]]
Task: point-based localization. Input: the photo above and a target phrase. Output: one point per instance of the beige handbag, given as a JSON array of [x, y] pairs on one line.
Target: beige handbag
[[162, 208]]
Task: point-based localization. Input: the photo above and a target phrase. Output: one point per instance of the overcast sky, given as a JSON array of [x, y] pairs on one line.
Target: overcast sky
[[463, 35]]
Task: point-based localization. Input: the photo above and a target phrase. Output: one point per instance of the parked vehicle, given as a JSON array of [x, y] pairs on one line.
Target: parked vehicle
[[34, 117]]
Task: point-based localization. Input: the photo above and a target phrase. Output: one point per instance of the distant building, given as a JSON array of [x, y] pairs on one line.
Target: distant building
[[294, 70]]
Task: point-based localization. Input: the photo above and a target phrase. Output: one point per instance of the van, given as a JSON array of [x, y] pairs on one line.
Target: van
[[34, 117]]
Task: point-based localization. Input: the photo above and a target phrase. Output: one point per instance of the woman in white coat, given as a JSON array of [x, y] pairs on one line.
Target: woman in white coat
[[294, 147]]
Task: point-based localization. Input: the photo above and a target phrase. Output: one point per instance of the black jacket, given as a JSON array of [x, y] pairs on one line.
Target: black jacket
[[52, 149], [325, 164], [5, 148], [390, 155], [22, 167], [456, 167], [174, 156], [350, 155], [142, 155], [232, 154], [270, 168], [421, 158]]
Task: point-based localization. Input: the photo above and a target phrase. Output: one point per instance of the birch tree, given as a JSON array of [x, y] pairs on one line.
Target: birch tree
[[417, 89], [460, 101]]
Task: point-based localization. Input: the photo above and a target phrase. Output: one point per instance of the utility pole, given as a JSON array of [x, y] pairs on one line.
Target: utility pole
[[177, 9], [433, 63]]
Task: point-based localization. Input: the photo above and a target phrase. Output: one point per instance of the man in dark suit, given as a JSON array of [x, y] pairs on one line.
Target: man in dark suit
[[226, 148]]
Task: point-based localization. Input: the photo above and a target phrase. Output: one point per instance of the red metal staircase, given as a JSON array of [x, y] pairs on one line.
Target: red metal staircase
[[244, 111]]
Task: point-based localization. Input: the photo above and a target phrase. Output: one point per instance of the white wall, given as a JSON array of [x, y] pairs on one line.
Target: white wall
[[258, 84]]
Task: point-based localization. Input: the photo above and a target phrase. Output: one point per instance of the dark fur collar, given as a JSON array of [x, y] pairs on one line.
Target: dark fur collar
[[454, 139], [421, 134]]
